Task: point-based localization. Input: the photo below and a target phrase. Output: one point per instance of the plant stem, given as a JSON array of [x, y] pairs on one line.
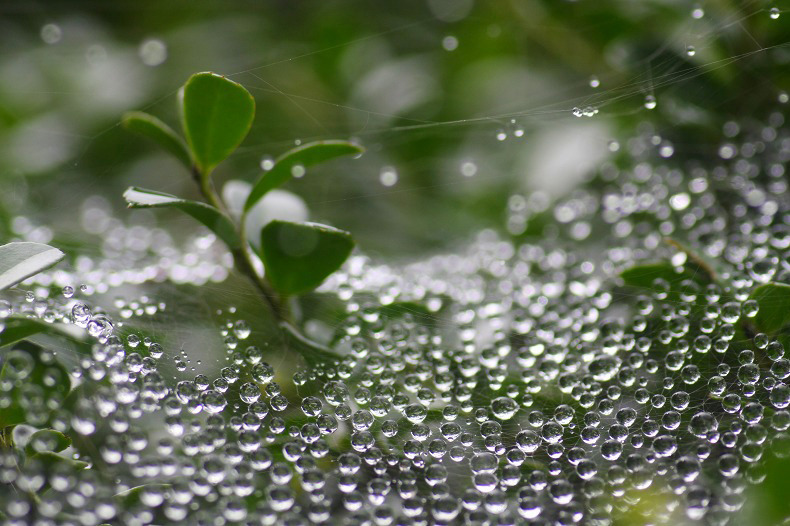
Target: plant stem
[[241, 255]]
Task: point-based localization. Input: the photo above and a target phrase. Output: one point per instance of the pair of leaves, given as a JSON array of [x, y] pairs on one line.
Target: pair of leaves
[[20, 260], [297, 256], [216, 115]]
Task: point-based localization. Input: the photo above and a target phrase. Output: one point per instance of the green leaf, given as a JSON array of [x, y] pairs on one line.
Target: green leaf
[[159, 132], [31, 384], [133, 496], [216, 114], [774, 302], [645, 276], [215, 220], [20, 260], [18, 329], [304, 156], [298, 257], [47, 440], [49, 459], [313, 352]]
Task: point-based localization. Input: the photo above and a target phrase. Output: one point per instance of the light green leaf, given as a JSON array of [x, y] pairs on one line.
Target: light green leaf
[[20, 260], [159, 132], [212, 218], [216, 114], [774, 302], [47, 440], [298, 257], [302, 156]]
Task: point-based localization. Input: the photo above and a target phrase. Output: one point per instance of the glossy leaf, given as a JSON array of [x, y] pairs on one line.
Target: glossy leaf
[[216, 114], [298, 257], [47, 440], [159, 132], [302, 156], [774, 302], [38, 382], [212, 218], [20, 260], [18, 329]]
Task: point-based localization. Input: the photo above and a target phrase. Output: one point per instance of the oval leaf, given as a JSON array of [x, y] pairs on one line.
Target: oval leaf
[[47, 440], [20, 260], [774, 302], [212, 218], [216, 114], [298, 257], [304, 156], [159, 132]]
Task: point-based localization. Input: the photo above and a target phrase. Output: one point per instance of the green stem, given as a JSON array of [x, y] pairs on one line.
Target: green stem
[[241, 255]]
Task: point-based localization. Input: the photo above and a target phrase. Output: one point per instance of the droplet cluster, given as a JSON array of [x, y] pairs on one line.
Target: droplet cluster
[[518, 380]]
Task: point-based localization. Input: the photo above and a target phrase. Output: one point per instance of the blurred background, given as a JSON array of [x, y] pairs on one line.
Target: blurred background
[[465, 107]]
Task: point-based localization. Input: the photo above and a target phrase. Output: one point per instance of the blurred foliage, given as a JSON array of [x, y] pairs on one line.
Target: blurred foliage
[[425, 85]]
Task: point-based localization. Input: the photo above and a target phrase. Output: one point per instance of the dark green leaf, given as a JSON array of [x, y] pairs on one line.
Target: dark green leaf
[[215, 220], [645, 276], [774, 302], [49, 459], [17, 329], [20, 260], [33, 382], [47, 440], [403, 308], [216, 114], [298, 257], [312, 351], [159, 132], [303, 156]]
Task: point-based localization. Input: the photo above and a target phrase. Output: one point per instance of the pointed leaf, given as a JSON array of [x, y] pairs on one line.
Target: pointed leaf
[[47, 440], [159, 132], [298, 257], [132, 497], [301, 156], [49, 460], [216, 114], [212, 218], [774, 302], [20, 260], [17, 329]]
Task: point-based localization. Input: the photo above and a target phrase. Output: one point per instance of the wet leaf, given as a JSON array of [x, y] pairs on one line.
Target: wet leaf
[[159, 132], [47, 440], [298, 257], [774, 302], [132, 496], [302, 156], [49, 460], [20, 260], [32, 382], [216, 114], [645, 276], [18, 329], [212, 218]]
